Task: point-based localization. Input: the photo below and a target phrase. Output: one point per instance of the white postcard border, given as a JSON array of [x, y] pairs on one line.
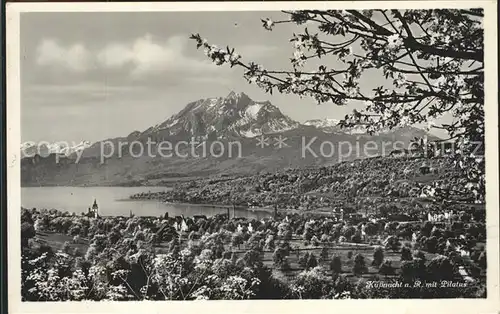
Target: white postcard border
[[489, 305]]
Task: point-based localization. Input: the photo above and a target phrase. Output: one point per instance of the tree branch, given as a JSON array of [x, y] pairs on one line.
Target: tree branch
[[380, 29], [473, 13], [413, 44]]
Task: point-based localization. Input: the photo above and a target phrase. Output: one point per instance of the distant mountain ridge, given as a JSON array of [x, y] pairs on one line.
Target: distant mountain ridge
[[323, 123], [234, 117], [30, 149]]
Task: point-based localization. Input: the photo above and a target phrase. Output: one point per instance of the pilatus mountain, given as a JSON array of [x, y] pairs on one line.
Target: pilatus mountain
[[235, 117]]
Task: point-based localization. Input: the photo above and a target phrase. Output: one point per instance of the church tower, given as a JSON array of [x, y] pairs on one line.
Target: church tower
[[95, 209]]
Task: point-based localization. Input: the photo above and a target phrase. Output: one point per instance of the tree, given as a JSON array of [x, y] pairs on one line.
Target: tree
[[406, 254], [26, 216], [252, 259], [174, 246], [432, 58], [91, 253], [356, 237], [436, 232], [237, 240], [348, 232], [431, 245], [139, 236], [76, 252], [303, 260], [481, 261], [336, 265], [269, 244], [419, 255], [41, 223], [378, 256], [408, 271], [285, 265], [315, 241], [386, 268], [393, 243], [441, 268], [324, 238], [323, 256], [74, 230], [114, 236], [312, 283], [426, 229], [311, 261], [66, 247], [27, 232], [99, 240], [279, 257], [359, 266], [284, 231], [371, 229], [308, 234]]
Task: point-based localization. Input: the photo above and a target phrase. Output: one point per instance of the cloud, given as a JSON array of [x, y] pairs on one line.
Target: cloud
[[137, 58], [74, 58], [147, 56]]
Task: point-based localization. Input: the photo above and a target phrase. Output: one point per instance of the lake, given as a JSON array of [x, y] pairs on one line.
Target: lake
[[114, 201]]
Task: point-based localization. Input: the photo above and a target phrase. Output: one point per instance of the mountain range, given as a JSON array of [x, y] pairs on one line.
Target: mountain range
[[44, 149], [235, 117]]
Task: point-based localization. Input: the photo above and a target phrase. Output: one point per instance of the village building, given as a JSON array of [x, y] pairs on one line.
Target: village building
[[424, 169], [93, 212]]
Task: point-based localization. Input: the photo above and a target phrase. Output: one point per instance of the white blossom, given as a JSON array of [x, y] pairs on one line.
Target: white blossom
[[405, 120], [351, 91], [365, 63], [459, 81], [394, 41], [298, 54], [433, 38], [442, 81], [268, 24], [207, 51]]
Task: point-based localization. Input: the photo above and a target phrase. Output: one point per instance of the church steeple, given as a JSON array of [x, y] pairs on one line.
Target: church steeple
[[95, 209]]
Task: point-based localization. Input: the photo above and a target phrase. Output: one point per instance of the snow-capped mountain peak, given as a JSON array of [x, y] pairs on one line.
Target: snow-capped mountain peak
[[327, 125], [322, 123], [46, 148], [233, 115], [235, 96]]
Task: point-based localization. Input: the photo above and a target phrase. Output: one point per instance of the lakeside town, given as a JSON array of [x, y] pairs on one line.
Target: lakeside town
[[326, 247]]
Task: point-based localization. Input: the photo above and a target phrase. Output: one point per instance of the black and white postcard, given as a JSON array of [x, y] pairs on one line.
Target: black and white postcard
[[261, 157]]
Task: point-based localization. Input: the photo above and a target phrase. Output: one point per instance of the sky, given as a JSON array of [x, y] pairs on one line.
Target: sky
[[92, 76]]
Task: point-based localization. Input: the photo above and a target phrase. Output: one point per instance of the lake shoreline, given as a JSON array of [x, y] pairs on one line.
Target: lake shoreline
[[250, 209], [206, 205], [116, 202]]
